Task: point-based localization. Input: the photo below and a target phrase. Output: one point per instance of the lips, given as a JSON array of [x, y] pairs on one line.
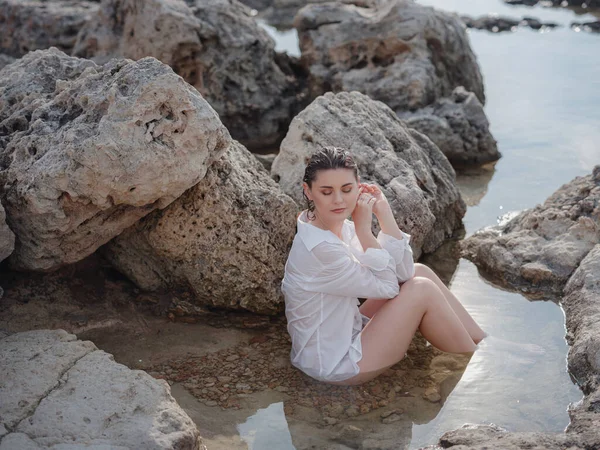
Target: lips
[[338, 210]]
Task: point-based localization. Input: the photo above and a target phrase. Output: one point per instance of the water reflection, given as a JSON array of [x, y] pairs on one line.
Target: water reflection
[[267, 429]]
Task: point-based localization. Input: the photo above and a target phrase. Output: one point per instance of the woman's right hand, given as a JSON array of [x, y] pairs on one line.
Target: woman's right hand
[[362, 216]]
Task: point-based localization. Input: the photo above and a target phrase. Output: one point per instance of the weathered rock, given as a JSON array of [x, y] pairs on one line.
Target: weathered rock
[[88, 150], [266, 160], [5, 60], [7, 237], [561, 3], [407, 56], [458, 126], [413, 173], [497, 24], [216, 46], [58, 392], [227, 238], [36, 24], [280, 13], [479, 437], [581, 303], [539, 249]]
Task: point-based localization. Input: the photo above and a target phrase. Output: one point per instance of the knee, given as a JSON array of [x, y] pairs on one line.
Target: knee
[[419, 286], [421, 270]]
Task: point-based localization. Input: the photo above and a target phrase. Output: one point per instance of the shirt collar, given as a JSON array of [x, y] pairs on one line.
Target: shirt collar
[[312, 236]]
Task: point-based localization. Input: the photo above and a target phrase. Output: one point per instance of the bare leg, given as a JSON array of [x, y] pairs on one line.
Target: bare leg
[[419, 305], [476, 333]]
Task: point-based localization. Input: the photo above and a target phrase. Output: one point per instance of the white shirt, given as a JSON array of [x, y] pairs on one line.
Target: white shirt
[[324, 277]]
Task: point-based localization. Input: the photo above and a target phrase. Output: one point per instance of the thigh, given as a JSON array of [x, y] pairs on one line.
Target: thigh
[[371, 305], [388, 334]]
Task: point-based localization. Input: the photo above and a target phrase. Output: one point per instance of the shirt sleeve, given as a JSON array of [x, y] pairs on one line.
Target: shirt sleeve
[[342, 274], [401, 252]]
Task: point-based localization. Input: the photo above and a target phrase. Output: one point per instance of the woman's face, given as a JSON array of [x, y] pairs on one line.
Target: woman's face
[[335, 192]]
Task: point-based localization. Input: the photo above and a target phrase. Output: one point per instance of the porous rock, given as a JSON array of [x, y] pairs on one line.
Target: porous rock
[[88, 150], [539, 249], [58, 392], [5, 60], [402, 53], [7, 237], [458, 126], [413, 173], [29, 25], [217, 46], [227, 239]]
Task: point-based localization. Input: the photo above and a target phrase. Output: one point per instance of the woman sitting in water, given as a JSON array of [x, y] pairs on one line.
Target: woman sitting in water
[[334, 261]]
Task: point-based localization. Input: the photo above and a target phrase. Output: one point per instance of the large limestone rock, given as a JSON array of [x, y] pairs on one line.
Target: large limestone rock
[[402, 53], [58, 392], [539, 249], [88, 150], [7, 237], [413, 173], [29, 25], [227, 239], [216, 46], [458, 126]]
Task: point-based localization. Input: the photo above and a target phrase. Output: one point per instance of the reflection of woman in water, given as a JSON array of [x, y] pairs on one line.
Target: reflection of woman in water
[[334, 261]]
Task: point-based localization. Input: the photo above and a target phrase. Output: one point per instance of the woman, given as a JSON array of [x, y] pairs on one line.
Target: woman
[[334, 261]]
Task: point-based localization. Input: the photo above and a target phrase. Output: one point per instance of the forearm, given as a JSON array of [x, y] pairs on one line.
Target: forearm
[[388, 225]]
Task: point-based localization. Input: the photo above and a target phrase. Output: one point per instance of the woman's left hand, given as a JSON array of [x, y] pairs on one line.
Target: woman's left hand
[[381, 204]]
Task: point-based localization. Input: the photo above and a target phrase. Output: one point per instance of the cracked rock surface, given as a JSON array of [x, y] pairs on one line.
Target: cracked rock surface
[[415, 176], [458, 126], [87, 150], [59, 392], [215, 46], [408, 55], [227, 239], [538, 249]]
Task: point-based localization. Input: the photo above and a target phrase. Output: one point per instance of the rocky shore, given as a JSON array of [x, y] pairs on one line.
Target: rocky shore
[[133, 211]]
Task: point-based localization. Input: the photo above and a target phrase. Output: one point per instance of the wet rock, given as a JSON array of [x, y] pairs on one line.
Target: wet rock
[[36, 25], [539, 248], [414, 175], [5, 60], [458, 126], [7, 237], [593, 27], [561, 3], [476, 437], [58, 391], [407, 56], [215, 46], [582, 310], [431, 394], [88, 150], [227, 239], [498, 24]]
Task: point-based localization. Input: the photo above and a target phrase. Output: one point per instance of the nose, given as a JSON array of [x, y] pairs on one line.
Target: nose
[[337, 197]]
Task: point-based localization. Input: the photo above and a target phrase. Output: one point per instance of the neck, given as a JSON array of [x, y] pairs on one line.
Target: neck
[[335, 227]]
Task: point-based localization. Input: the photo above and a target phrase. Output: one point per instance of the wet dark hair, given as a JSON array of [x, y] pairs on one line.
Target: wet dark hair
[[324, 159]]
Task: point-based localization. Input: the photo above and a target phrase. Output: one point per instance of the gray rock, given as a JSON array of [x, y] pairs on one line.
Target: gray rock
[[5, 60], [480, 437], [458, 126], [592, 27], [7, 237], [37, 24], [581, 303], [414, 174], [227, 239], [407, 55], [61, 393], [539, 249], [498, 24], [215, 46], [266, 160], [88, 150]]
